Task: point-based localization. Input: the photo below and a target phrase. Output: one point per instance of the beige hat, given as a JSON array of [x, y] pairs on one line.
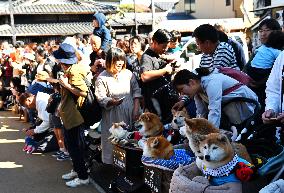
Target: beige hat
[[42, 76]]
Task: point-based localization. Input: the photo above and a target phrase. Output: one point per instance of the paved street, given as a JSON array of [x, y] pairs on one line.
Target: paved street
[[22, 173]]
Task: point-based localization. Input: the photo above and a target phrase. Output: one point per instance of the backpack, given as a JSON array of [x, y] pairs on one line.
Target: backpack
[[90, 110]]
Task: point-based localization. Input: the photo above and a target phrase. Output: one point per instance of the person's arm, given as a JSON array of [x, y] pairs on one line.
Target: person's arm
[[43, 115], [273, 85], [64, 82], [136, 94], [214, 92], [148, 73], [154, 74], [273, 90]]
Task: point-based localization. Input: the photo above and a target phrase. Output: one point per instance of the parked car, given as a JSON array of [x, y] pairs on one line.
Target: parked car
[[190, 53]]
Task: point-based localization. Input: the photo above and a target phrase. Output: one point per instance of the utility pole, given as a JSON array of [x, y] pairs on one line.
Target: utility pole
[[11, 10], [153, 14], [135, 15]]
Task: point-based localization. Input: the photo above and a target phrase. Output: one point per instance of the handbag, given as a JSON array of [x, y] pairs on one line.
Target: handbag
[[53, 102], [90, 110]]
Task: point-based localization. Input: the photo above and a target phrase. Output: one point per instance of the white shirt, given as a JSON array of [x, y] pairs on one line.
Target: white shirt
[[41, 103], [274, 85]]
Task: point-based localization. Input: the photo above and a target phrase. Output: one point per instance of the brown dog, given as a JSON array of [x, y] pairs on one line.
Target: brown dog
[[151, 125], [199, 126], [216, 149], [179, 118], [158, 148]]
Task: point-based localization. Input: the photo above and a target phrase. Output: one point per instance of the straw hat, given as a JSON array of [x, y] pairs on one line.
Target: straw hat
[[42, 76]]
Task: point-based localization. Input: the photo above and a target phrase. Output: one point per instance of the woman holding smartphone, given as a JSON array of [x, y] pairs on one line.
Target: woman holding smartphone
[[118, 93]]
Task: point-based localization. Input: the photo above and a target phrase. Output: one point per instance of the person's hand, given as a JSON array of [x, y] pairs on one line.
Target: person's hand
[[63, 81], [267, 115], [135, 115], [30, 132], [280, 117], [178, 106], [168, 68], [115, 101]]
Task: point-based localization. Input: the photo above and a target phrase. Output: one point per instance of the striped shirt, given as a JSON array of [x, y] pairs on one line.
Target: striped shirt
[[223, 56]]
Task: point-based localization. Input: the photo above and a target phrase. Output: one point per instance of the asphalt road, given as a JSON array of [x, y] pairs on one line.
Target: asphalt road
[[23, 173]]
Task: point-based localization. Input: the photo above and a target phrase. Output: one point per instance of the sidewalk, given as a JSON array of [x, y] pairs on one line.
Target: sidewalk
[[22, 173]]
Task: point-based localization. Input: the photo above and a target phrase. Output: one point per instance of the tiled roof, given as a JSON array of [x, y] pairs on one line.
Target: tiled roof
[[66, 7], [49, 29], [165, 5], [53, 29]]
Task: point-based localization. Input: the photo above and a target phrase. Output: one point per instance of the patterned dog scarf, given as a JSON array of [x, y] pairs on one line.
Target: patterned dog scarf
[[221, 171]]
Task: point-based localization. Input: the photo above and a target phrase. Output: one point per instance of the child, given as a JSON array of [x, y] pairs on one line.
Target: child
[[100, 30], [174, 48]]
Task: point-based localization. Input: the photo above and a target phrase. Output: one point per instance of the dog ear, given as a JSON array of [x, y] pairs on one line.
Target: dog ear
[[222, 138], [173, 111], [155, 142]]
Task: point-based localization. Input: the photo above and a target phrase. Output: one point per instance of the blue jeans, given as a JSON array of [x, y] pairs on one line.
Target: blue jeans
[[75, 142]]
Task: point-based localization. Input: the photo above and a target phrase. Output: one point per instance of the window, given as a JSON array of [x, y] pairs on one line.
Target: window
[[228, 2], [189, 6]]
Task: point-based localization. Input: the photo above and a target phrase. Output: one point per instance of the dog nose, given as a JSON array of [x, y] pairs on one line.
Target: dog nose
[[175, 121], [207, 157]]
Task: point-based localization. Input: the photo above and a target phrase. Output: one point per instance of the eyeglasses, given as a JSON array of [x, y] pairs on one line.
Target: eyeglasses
[[264, 30]]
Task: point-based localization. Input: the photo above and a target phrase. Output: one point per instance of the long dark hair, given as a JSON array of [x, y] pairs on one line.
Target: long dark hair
[[183, 76]]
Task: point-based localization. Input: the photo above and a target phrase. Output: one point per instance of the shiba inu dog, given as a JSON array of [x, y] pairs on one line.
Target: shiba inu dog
[[158, 148], [216, 150], [150, 124], [197, 126], [179, 119], [119, 135]]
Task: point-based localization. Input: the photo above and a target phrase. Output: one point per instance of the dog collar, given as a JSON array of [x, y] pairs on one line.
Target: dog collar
[[224, 170]]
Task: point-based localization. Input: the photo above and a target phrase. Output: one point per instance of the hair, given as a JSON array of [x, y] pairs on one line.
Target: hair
[[113, 55], [270, 24], [176, 36], [16, 81], [78, 36], [183, 76], [221, 27], [275, 40], [23, 97], [123, 45], [40, 51], [206, 32], [161, 36], [135, 38]]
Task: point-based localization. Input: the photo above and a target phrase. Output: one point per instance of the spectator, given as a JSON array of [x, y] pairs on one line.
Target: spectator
[[73, 87], [100, 30], [155, 75], [134, 57], [238, 47], [36, 102], [97, 57], [208, 90], [262, 63], [118, 93], [215, 53]]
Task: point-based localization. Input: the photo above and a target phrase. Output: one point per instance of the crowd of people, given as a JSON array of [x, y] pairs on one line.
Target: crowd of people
[[134, 75]]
